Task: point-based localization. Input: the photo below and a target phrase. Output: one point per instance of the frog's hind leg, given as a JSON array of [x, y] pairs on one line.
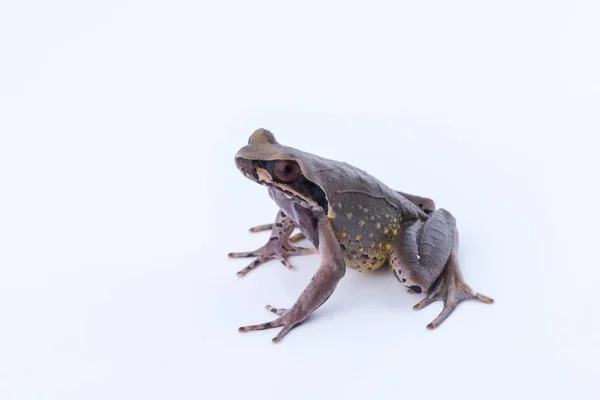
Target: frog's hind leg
[[425, 258], [278, 247], [451, 289]]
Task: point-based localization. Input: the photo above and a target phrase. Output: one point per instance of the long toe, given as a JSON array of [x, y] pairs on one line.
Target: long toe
[[243, 254], [278, 311], [483, 298], [448, 309], [261, 228], [267, 325], [251, 266], [287, 321]]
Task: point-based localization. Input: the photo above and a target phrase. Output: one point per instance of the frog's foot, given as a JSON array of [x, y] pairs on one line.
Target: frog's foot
[[287, 320], [277, 248], [451, 289]]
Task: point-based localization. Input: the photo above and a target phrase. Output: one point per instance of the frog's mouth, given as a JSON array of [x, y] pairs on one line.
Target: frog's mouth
[[302, 190]]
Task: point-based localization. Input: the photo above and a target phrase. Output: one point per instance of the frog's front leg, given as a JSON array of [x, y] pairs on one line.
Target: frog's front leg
[[278, 247], [321, 286], [424, 258]]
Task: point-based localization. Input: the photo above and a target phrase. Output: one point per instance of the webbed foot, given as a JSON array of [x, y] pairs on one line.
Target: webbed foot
[[451, 289], [277, 248]]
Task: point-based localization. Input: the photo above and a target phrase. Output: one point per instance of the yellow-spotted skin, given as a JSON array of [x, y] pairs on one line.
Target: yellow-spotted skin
[[365, 233]]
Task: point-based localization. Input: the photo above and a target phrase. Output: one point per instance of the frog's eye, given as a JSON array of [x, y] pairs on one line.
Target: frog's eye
[[286, 171]]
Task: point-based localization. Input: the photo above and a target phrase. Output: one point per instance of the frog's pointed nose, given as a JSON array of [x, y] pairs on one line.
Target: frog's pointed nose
[[262, 136], [244, 165]]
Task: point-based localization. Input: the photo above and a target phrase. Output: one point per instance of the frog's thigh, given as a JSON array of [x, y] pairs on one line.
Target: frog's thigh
[[422, 249], [423, 203]]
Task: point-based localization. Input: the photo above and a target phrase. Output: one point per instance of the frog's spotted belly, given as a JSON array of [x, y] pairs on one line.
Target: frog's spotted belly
[[365, 235]]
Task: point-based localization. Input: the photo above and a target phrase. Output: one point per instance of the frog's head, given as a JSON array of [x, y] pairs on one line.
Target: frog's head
[[281, 168]]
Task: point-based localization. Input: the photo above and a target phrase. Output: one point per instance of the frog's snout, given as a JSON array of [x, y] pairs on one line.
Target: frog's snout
[[246, 167]]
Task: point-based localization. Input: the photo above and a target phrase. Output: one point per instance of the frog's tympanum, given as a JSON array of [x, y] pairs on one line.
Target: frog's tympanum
[[354, 221]]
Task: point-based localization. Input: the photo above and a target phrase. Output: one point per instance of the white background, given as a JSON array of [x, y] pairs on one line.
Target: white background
[[119, 198]]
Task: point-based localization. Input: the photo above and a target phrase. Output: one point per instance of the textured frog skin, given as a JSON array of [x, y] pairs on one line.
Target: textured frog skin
[[355, 221]]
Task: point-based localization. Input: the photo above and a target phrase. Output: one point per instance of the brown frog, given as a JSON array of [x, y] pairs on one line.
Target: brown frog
[[354, 221]]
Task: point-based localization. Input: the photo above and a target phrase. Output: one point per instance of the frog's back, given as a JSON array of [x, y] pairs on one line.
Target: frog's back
[[338, 178], [366, 215]]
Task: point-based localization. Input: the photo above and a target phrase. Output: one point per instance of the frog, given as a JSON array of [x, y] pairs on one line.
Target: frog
[[354, 221]]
